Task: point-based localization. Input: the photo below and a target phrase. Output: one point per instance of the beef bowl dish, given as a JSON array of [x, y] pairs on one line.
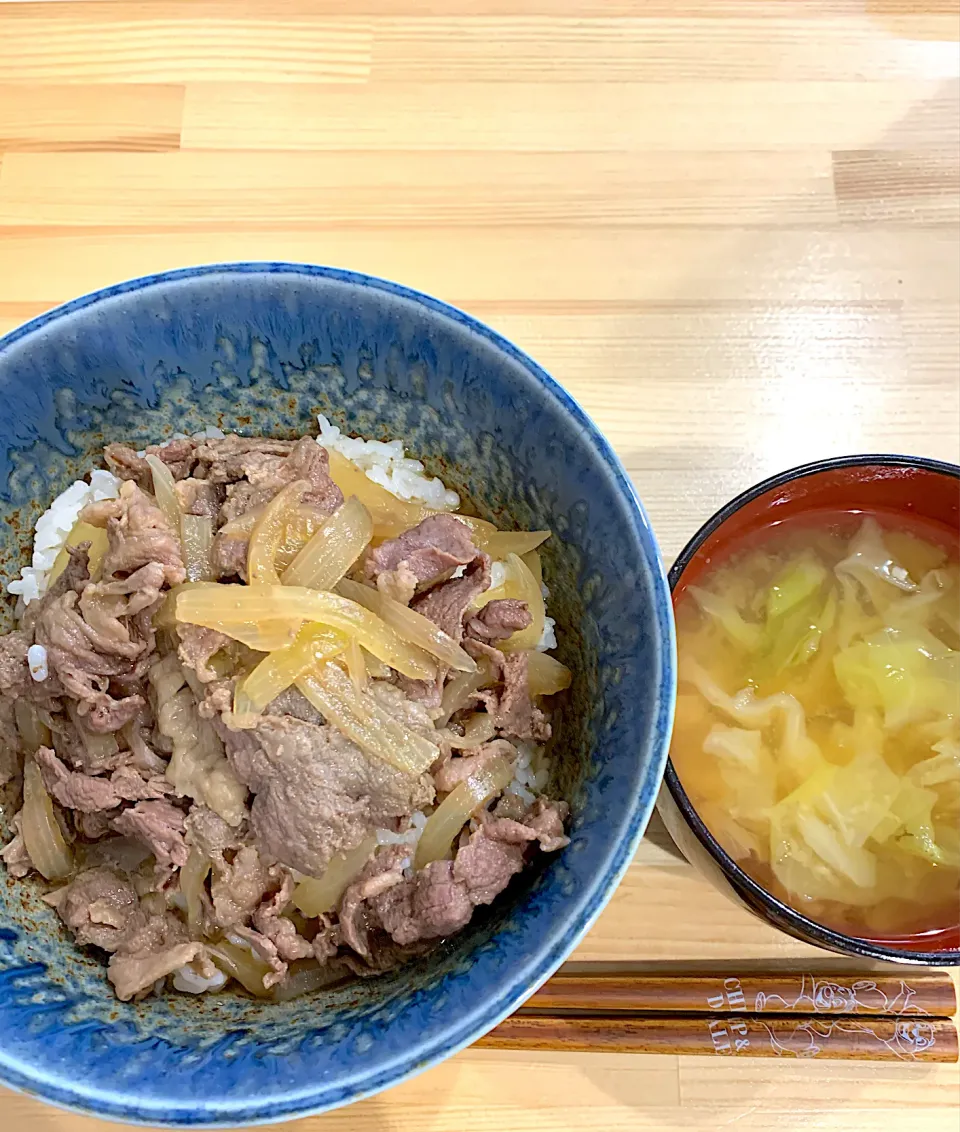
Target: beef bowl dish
[[335, 687]]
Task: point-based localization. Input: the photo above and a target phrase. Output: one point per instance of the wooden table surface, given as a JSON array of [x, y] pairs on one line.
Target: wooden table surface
[[729, 227]]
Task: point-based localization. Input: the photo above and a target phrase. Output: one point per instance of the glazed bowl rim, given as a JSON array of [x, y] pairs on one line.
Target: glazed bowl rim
[[739, 880]]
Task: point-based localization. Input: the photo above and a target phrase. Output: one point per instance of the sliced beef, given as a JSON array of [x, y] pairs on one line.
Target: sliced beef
[[198, 646], [242, 498], [449, 772], [124, 462], [14, 855], [209, 832], [326, 942], [224, 460], [270, 922], [317, 794], [266, 950], [439, 899], [383, 872], [229, 557], [498, 620], [111, 611], [485, 865], [94, 826], [134, 974], [513, 710], [200, 497], [81, 657], [137, 533], [238, 887], [309, 461], [132, 786], [159, 825], [445, 605], [76, 791], [430, 905], [100, 907], [429, 551]]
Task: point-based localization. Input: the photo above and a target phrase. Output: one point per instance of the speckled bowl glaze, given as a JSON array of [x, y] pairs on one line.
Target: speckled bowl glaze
[[261, 348]]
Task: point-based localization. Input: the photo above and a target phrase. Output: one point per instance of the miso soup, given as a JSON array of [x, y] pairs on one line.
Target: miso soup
[[818, 718]]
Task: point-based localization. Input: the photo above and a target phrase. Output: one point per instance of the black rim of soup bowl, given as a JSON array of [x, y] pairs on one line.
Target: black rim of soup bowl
[[764, 903]]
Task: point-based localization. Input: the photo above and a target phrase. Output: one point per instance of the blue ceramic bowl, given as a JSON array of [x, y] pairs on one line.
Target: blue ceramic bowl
[[261, 348]]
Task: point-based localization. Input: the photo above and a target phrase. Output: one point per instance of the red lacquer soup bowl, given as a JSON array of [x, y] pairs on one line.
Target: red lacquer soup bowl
[[922, 494]]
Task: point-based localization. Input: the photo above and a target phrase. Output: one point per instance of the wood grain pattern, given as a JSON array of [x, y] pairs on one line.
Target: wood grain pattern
[[893, 991], [728, 227], [747, 1036]]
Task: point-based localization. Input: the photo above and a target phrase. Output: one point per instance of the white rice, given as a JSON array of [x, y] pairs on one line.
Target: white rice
[[548, 638], [37, 663], [54, 525], [189, 981], [531, 774], [387, 465], [409, 836]]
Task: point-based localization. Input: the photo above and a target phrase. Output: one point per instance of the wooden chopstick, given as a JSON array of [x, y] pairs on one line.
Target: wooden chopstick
[[894, 992], [843, 1037], [899, 1014]]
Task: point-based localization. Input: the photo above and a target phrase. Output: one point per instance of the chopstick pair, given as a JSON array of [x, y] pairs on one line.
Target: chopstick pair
[[898, 1015]]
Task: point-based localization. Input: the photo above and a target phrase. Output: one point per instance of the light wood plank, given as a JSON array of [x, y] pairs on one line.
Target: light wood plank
[[221, 190], [661, 48], [551, 264], [570, 116], [98, 117], [898, 187], [106, 45], [854, 1087], [153, 43]]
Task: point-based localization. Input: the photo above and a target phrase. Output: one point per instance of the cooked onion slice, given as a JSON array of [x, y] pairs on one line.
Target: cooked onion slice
[[316, 895], [458, 808], [240, 611], [34, 733], [333, 549], [193, 876], [82, 532], [100, 746], [411, 625], [478, 729], [268, 533], [196, 536], [276, 672], [46, 845], [241, 964], [534, 565], [459, 688], [546, 674], [520, 584], [165, 491], [365, 721], [498, 544], [356, 665], [391, 516]]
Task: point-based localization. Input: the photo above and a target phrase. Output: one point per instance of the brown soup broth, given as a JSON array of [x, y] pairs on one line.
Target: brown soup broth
[[840, 820]]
